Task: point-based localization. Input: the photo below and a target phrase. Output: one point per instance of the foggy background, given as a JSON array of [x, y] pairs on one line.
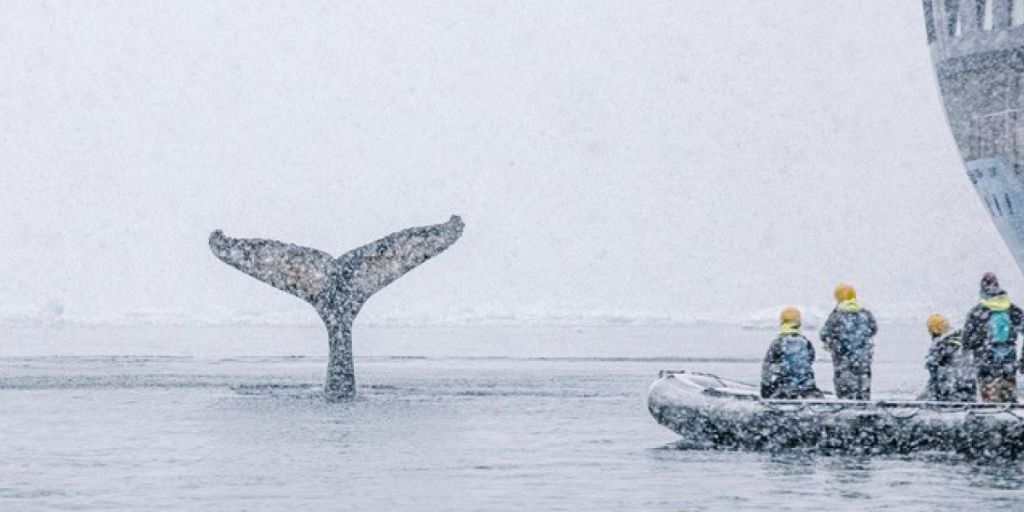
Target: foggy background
[[632, 160]]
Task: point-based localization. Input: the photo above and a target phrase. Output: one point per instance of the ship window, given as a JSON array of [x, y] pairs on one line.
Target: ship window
[[986, 15], [1018, 133], [1016, 13], [953, 17], [929, 21], [1018, 138]]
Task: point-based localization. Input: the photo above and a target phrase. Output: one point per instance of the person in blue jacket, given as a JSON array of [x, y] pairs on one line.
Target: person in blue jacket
[[991, 331], [788, 371], [951, 374], [849, 335]]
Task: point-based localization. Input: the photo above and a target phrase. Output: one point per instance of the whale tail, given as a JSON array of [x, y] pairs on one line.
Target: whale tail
[[309, 273], [337, 287]]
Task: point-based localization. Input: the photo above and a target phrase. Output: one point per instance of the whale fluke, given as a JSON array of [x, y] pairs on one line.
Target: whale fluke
[[378, 264], [298, 270], [336, 287]]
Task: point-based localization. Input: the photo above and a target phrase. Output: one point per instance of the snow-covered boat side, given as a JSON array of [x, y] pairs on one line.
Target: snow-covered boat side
[[710, 412]]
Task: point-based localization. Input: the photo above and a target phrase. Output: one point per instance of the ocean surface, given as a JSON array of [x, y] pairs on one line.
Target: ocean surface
[[449, 418]]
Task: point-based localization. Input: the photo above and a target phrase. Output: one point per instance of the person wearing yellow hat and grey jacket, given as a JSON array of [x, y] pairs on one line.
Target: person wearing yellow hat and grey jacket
[[788, 371], [991, 331], [848, 334], [951, 374]]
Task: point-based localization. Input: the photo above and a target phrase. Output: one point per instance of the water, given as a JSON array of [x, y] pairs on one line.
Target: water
[[470, 418]]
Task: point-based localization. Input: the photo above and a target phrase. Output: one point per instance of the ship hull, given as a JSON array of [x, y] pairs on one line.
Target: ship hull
[[978, 53]]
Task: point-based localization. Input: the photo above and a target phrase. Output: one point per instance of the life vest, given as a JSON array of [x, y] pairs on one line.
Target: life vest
[[796, 367]]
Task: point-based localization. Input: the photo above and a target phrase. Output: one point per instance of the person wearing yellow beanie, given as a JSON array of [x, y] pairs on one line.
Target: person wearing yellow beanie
[[849, 334], [951, 375], [991, 331], [788, 371]]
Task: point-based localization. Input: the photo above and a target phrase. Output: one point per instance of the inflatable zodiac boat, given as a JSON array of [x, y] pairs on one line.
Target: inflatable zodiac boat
[[711, 412]]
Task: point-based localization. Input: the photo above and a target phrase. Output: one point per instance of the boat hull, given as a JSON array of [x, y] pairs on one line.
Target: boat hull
[[709, 412]]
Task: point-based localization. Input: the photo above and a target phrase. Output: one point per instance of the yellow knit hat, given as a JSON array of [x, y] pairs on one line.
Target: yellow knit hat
[[844, 292], [937, 324], [790, 315]]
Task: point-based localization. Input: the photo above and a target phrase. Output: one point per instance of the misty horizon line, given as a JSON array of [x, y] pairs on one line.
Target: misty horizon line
[[763, 319]]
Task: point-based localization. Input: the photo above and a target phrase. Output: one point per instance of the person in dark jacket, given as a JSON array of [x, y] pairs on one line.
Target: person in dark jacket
[[788, 371], [991, 332], [951, 375], [848, 334]]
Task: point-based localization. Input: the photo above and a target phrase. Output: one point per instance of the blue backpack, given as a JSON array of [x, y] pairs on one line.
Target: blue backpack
[[1001, 332], [796, 361]]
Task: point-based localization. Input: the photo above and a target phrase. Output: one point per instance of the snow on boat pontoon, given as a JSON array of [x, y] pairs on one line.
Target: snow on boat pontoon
[[711, 412]]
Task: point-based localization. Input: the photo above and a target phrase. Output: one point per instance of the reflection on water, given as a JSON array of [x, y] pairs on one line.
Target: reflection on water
[[996, 476]]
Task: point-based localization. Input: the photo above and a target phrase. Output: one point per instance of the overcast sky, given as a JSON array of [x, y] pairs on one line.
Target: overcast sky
[[664, 159]]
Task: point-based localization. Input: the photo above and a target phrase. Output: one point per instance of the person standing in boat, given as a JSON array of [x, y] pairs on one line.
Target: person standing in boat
[[951, 375], [849, 335], [991, 331], [788, 371]]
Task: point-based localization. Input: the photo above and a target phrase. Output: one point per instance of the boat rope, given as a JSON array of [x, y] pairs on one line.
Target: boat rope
[[1010, 409], [785, 407], [826, 408], [888, 412]]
